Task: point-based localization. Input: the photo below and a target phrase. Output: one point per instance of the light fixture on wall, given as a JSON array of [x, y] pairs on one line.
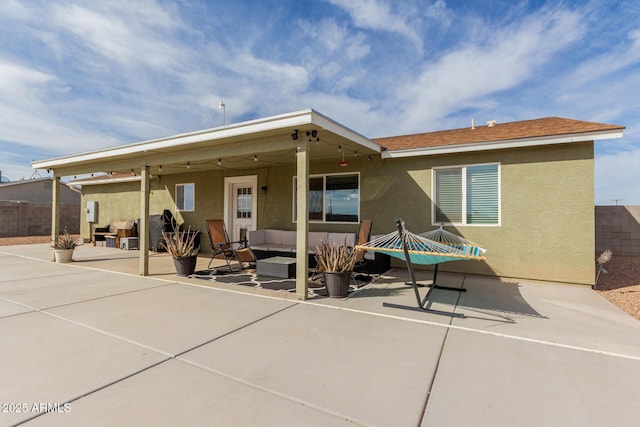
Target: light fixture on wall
[[219, 162], [255, 157], [188, 165], [294, 135], [160, 168]]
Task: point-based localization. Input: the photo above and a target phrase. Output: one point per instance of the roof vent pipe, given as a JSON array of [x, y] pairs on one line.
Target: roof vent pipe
[[473, 123], [491, 123]]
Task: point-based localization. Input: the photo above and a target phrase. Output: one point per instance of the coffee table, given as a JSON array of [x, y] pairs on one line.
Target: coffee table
[[279, 266]]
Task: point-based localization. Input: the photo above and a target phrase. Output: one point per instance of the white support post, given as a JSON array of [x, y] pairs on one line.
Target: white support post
[[55, 210], [302, 217], [143, 233]]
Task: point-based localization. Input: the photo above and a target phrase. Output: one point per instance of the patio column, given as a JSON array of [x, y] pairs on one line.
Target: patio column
[[302, 218], [55, 210], [143, 233]]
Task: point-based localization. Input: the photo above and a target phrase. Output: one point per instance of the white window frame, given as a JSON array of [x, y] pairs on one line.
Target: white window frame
[[324, 198], [464, 195], [194, 197]]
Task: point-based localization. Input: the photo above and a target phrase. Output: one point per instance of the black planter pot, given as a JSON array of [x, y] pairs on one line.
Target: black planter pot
[[337, 283], [185, 265]]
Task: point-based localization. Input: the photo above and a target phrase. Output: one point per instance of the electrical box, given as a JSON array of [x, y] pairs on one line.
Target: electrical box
[[92, 211]]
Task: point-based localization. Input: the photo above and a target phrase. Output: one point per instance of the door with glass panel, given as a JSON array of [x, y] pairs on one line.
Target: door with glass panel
[[242, 213]]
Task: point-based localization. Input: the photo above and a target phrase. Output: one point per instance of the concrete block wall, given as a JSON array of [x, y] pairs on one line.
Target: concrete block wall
[[34, 219], [618, 229]]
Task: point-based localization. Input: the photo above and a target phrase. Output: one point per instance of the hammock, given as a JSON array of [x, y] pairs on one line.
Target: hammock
[[430, 248], [466, 247], [427, 249]]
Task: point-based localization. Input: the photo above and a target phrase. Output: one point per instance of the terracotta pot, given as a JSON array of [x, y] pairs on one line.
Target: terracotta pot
[[337, 283], [185, 265], [63, 255]]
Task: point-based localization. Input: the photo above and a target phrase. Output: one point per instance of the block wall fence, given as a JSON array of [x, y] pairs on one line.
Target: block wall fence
[[618, 229], [34, 219]]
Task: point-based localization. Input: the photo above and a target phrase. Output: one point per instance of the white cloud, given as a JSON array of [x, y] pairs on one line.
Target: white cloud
[[464, 77], [378, 15], [601, 66], [123, 34]]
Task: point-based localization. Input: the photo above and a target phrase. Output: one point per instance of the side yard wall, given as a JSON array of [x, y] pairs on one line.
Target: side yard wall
[[34, 219], [618, 229]]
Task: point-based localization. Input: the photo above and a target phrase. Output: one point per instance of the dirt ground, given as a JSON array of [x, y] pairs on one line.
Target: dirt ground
[[621, 285]]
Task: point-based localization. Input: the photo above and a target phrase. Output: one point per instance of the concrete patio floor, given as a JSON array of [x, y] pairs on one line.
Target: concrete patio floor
[[93, 343]]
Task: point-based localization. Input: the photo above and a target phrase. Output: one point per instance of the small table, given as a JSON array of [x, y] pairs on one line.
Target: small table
[[128, 243], [279, 266]]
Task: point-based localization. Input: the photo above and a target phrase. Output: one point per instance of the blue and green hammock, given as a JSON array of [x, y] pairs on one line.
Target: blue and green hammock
[[429, 248]]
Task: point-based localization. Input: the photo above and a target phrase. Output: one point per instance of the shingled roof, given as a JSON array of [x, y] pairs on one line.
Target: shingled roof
[[537, 128]]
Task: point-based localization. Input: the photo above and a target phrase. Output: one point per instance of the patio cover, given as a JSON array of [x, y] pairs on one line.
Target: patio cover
[[201, 150]]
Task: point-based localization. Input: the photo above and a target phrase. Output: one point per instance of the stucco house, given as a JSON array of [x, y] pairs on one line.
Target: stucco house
[[524, 190]]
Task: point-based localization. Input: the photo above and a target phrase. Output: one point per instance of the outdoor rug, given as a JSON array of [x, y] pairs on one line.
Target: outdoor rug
[[251, 279]]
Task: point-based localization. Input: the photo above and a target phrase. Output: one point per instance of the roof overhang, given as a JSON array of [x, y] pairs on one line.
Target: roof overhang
[[503, 144], [107, 179], [250, 138]]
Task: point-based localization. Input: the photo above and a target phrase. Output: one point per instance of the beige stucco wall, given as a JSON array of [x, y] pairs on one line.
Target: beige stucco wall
[[547, 207], [547, 219]]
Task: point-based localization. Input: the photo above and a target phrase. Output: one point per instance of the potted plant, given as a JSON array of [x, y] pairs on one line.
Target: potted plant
[[63, 247], [181, 245], [336, 262]]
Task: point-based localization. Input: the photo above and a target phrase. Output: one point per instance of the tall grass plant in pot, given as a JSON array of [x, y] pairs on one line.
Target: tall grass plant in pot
[[64, 246], [336, 261], [181, 245]]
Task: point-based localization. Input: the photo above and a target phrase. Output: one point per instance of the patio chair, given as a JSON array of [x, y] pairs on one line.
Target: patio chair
[[364, 233], [222, 245]]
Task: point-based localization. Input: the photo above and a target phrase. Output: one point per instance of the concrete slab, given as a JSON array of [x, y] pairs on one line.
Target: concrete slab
[[8, 308], [507, 382], [178, 394], [7, 259], [19, 268], [571, 315], [80, 285], [363, 368], [47, 360], [391, 288], [171, 319]]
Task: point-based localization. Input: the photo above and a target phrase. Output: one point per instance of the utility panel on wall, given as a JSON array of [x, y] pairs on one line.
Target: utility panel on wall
[[92, 211]]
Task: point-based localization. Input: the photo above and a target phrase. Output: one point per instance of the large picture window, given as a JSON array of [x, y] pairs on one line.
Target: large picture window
[[186, 197], [332, 198], [467, 195]]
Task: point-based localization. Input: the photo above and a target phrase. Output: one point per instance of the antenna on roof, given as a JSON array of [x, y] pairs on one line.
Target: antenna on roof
[[222, 106]]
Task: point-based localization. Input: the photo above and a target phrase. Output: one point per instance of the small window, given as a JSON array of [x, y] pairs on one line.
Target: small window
[[185, 197], [467, 195], [332, 198]]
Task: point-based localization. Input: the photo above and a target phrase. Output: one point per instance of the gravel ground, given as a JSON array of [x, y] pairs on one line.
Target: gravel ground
[[621, 285]]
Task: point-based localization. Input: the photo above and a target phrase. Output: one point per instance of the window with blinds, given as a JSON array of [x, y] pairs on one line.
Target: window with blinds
[[332, 198], [467, 195]]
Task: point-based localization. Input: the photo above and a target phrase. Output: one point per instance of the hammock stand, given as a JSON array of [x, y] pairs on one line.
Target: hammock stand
[[442, 246]]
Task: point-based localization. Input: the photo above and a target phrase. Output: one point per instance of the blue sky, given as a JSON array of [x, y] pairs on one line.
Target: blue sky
[[82, 75]]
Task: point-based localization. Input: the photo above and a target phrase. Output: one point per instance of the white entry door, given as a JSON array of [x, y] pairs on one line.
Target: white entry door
[[241, 207]]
